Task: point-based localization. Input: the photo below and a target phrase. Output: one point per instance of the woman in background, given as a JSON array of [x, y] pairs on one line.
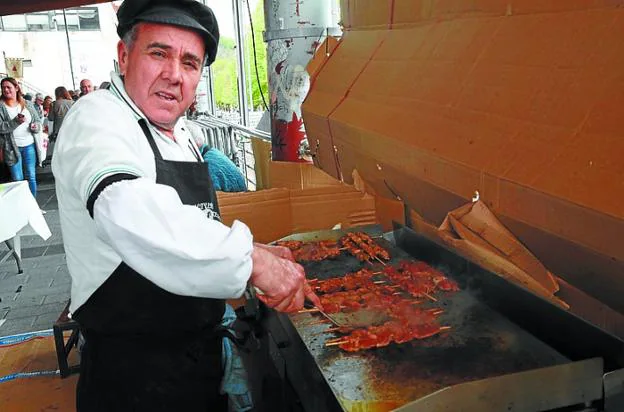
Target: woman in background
[[57, 113], [18, 121]]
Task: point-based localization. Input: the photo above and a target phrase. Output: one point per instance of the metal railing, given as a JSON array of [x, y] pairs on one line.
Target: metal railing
[[235, 143]]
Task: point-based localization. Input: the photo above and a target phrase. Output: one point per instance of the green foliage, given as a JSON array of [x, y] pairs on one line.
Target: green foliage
[[224, 68], [261, 49], [224, 72]]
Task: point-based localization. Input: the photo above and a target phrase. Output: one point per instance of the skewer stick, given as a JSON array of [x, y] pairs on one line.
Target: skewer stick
[[319, 322], [311, 310], [443, 328], [435, 311], [335, 343], [430, 297], [380, 282], [334, 329], [380, 261]]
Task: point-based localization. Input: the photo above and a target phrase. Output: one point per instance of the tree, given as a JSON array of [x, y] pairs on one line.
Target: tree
[[224, 69], [224, 72], [261, 57]]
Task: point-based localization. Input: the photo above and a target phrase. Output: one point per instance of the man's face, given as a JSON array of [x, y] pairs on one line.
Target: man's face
[[86, 87], [161, 71], [39, 101]]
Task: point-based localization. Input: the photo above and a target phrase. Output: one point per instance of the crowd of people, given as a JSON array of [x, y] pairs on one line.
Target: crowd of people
[[29, 126]]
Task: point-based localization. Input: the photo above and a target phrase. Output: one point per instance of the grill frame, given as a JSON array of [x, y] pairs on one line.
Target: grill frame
[[532, 313]]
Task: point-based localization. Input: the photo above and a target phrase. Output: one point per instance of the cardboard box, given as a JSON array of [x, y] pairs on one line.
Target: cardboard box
[[307, 200], [298, 176], [509, 99]]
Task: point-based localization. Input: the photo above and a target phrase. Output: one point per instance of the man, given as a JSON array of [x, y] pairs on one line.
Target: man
[[39, 104], [86, 87], [151, 264]]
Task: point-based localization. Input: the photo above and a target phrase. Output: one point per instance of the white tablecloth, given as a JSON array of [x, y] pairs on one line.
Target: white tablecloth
[[18, 208]]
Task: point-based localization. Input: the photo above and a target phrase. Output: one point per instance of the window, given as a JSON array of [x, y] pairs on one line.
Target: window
[[72, 20], [82, 18], [88, 19], [79, 18], [38, 21], [16, 22]]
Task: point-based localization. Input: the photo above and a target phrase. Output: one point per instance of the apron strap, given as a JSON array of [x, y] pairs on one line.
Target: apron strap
[[150, 138]]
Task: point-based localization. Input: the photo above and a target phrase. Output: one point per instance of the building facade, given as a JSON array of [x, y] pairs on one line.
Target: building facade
[[40, 39]]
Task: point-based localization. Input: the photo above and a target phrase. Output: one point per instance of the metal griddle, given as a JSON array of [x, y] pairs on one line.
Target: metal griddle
[[481, 344], [486, 340]]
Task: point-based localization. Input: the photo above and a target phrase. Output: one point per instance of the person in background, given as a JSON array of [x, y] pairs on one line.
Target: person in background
[[104, 85], [47, 124], [39, 104], [150, 260], [191, 113], [18, 121], [86, 87], [59, 109], [47, 103], [28, 97]]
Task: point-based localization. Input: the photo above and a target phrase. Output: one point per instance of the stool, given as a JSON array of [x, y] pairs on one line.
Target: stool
[[63, 349]]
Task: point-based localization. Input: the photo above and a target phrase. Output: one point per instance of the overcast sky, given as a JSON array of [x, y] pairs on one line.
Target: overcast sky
[[223, 11]]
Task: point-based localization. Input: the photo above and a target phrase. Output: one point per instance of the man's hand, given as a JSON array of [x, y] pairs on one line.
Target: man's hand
[[279, 251], [281, 281]]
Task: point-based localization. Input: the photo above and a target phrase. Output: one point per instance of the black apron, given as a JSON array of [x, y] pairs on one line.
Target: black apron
[[148, 349]]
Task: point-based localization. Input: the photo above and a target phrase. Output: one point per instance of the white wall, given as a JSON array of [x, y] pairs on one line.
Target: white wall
[[93, 53]]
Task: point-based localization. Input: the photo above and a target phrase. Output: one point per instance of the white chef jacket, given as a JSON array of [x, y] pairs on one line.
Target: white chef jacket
[[137, 221]]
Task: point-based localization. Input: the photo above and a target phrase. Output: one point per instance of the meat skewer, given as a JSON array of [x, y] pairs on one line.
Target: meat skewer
[[380, 336], [311, 251], [379, 297], [366, 243], [360, 254], [361, 278], [381, 252]]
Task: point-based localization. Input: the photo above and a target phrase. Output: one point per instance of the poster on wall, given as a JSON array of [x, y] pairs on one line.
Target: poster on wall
[[14, 66]]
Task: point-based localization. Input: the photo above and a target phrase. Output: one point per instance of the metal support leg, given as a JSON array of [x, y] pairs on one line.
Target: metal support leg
[[14, 246]]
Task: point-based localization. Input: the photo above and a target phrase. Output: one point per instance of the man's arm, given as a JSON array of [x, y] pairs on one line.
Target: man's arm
[[173, 245], [179, 249]]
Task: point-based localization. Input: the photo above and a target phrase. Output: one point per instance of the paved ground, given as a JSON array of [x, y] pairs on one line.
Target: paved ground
[[33, 300]]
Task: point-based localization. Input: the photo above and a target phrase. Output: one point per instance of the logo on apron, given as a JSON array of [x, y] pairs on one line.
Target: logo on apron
[[208, 209]]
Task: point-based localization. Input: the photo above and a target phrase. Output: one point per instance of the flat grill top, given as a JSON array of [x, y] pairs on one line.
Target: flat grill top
[[481, 344]]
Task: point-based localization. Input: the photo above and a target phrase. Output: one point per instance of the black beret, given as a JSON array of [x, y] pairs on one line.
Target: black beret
[[183, 13]]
